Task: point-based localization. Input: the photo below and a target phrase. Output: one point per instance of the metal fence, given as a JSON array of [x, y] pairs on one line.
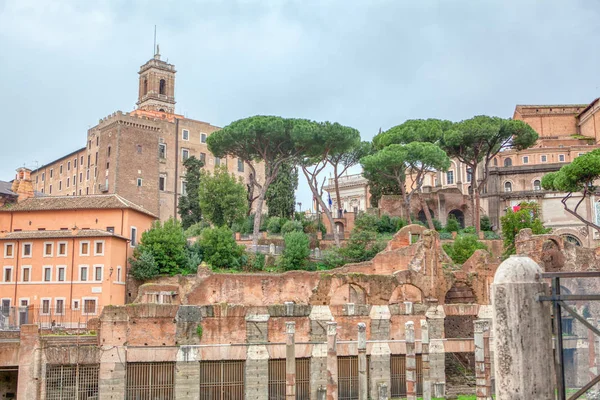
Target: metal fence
[[222, 380], [398, 375], [74, 381], [277, 379], [50, 317], [150, 381], [348, 377]]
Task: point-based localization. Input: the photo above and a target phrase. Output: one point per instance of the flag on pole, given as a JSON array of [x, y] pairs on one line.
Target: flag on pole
[[329, 200]]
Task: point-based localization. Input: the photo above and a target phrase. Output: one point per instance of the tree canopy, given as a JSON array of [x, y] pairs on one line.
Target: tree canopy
[[270, 139], [578, 176], [479, 140], [222, 197], [189, 204], [414, 130]]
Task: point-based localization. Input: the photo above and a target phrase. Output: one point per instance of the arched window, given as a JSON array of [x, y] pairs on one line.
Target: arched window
[[571, 239], [508, 162], [537, 185], [163, 87], [507, 187], [495, 162], [145, 86]]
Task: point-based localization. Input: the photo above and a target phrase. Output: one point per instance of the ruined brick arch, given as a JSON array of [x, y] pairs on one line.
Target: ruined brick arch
[[406, 292], [460, 293], [348, 293]]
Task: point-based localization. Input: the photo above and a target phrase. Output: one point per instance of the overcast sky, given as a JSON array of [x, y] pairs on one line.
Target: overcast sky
[[368, 64]]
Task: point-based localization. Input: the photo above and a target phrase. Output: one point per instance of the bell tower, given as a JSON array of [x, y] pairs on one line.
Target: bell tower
[[157, 85]]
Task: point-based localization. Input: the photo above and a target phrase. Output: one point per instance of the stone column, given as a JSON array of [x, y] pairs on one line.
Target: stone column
[[437, 356], [319, 316], [290, 361], [29, 378], [187, 373], [425, 359], [332, 367], [411, 362], [380, 350], [482, 377], [113, 355], [523, 354], [363, 390], [257, 373]]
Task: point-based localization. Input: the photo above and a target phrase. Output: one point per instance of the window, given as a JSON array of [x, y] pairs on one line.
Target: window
[[162, 150], [138, 149], [60, 170], [62, 249], [43, 176], [507, 187], [133, 236], [81, 161], [495, 162], [544, 158], [69, 166], [203, 158], [75, 163], [87, 175], [139, 182], [110, 229], [240, 165], [9, 250], [162, 87], [83, 272], [50, 191], [108, 152], [80, 177], [97, 140], [99, 248], [223, 378], [88, 164], [84, 248], [89, 306], [98, 273], [203, 138], [508, 162], [59, 186], [51, 173], [469, 174], [47, 274], [185, 134], [60, 306], [45, 306], [185, 154], [145, 86], [68, 182], [450, 177], [48, 249], [161, 183], [7, 274], [525, 159], [75, 305], [183, 188], [61, 274], [37, 179], [107, 166], [118, 274], [561, 158], [537, 185], [26, 274], [27, 250]]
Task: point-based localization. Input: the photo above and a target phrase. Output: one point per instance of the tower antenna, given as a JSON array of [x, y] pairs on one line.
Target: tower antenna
[[154, 48]]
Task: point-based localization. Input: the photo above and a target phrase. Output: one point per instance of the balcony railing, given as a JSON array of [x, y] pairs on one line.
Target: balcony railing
[[51, 318]]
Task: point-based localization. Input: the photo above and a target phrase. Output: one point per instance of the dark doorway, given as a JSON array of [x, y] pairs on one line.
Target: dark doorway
[[460, 217], [421, 217]]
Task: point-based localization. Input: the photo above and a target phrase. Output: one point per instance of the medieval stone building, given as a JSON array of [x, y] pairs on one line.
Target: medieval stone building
[[138, 155]]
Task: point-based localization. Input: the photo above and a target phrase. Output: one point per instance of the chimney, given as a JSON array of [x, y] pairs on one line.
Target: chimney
[[22, 184]]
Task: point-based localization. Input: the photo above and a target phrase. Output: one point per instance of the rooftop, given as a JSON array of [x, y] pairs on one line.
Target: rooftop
[[5, 189], [58, 234], [89, 202]]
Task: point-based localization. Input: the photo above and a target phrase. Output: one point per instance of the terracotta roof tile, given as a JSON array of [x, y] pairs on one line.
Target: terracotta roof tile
[[59, 234], [89, 202]]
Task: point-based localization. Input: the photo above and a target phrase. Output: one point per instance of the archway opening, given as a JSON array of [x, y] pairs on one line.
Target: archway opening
[[508, 162], [339, 227], [406, 292], [421, 216], [571, 239], [348, 293], [459, 215], [460, 293]]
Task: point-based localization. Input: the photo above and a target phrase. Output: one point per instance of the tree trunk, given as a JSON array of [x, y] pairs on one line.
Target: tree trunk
[[312, 185], [258, 216], [477, 216], [338, 198], [425, 208], [406, 201]]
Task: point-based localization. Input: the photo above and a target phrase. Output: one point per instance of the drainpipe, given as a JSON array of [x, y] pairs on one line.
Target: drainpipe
[[176, 167]]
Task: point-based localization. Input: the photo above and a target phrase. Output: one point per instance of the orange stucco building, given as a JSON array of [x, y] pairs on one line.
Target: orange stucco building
[[66, 257]]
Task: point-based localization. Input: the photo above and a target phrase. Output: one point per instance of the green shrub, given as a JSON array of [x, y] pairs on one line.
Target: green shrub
[[399, 223], [291, 226], [199, 331], [485, 223], [274, 224], [386, 225], [362, 246], [247, 226], [195, 254], [237, 227], [255, 262], [332, 258], [366, 222], [452, 225], [490, 235], [196, 229], [167, 244], [437, 225], [445, 235], [470, 230], [144, 266], [526, 215], [296, 252], [463, 247], [220, 249]]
